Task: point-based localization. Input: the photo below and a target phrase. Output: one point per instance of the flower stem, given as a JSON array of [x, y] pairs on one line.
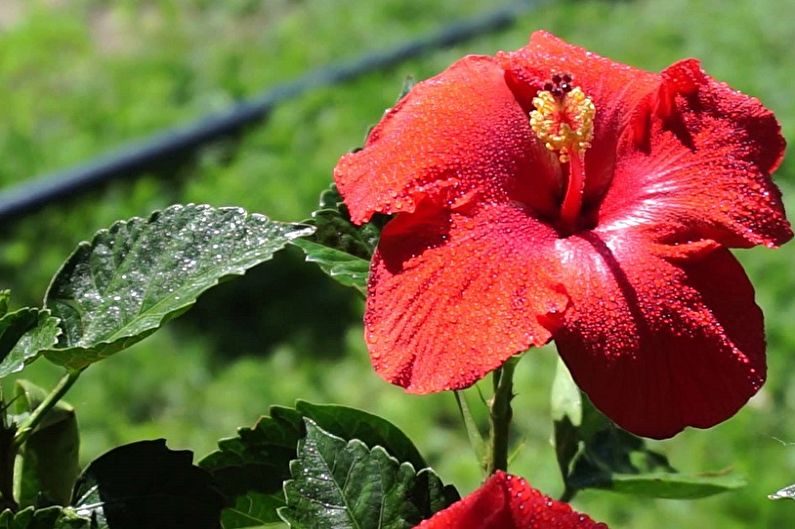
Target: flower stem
[[26, 427], [500, 415]]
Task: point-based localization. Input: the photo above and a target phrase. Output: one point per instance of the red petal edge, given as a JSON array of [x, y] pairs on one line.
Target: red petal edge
[[452, 295], [661, 337], [459, 133], [509, 502], [698, 166]]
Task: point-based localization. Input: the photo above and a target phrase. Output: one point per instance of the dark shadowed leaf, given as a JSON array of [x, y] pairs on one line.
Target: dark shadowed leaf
[[340, 248], [24, 334], [339, 484], [257, 460], [146, 485], [251, 510], [134, 276], [593, 452], [49, 518], [49, 461]]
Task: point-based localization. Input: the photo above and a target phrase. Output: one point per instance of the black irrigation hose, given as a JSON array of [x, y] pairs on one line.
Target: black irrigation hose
[[163, 147]]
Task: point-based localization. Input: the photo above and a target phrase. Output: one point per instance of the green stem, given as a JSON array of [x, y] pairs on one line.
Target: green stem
[[27, 426], [500, 415]]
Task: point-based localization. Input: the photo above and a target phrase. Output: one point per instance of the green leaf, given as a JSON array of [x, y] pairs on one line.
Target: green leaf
[[787, 493], [49, 462], [257, 460], [134, 276], [5, 297], [593, 452], [48, 518], [351, 423], [675, 486], [250, 510], [565, 400], [347, 269], [146, 485], [340, 484], [340, 248], [335, 229], [408, 84], [24, 334]]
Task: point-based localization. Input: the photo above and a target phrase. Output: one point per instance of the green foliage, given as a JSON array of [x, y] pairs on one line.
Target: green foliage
[[24, 334], [341, 249], [48, 518], [251, 509], [343, 267], [348, 485], [123, 69], [594, 453], [5, 296], [138, 485], [145, 484], [49, 462], [138, 274], [252, 467]]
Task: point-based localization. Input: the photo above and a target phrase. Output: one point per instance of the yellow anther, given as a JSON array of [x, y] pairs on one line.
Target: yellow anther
[[564, 123]]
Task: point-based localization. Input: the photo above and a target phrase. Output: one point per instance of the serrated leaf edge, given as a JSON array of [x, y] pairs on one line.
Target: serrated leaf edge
[[406, 465]]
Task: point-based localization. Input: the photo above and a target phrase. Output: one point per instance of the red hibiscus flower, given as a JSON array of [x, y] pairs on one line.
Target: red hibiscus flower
[[508, 502], [550, 193]]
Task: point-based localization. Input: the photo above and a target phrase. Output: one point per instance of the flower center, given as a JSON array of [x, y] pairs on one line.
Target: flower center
[[563, 120]]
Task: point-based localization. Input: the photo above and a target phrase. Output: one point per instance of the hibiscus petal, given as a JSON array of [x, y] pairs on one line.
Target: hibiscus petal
[[455, 135], [661, 337], [615, 88], [704, 168], [452, 295], [508, 502]]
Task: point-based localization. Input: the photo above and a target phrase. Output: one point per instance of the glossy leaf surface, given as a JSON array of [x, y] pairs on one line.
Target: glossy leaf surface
[[787, 493], [24, 334], [134, 276], [341, 485], [252, 467]]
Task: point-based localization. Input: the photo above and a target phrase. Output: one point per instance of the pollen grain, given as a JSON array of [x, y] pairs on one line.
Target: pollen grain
[[563, 119]]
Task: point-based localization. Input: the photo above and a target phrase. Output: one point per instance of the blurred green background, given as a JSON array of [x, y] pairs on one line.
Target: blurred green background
[[80, 77]]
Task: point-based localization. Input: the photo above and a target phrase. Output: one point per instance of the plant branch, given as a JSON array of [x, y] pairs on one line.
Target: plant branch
[[500, 415], [27, 426]]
